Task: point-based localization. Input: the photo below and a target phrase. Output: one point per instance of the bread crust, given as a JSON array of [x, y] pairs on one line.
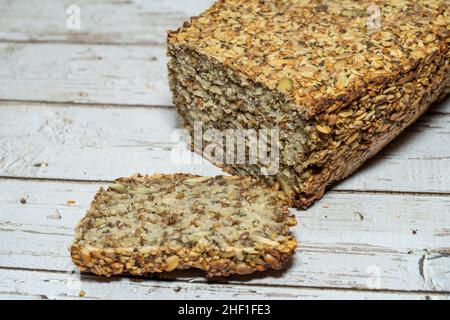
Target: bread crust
[[141, 260]]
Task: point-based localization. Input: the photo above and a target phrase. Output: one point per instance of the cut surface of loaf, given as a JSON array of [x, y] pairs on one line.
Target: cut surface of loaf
[[223, 225], [338, 79]]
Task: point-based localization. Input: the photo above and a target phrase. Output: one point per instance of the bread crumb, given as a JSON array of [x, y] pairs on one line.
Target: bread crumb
[[82, 293], [41, 164], [71, 202]]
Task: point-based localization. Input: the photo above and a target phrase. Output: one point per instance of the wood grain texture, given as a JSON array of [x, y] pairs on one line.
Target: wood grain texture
[[23, 284], [95, 143], [76, 142], [363, 241], [127, 75], [106, 21]]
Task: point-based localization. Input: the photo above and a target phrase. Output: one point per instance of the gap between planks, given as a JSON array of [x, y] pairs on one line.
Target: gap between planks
[[88, 43], [90, 105], [434, 109], [346, 191], [224, 282]]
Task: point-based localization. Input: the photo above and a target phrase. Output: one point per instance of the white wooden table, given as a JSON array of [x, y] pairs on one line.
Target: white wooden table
[[79, 108]]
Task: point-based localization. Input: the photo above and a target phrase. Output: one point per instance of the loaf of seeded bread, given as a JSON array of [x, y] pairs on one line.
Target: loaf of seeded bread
[[223, 225], [339, 79]]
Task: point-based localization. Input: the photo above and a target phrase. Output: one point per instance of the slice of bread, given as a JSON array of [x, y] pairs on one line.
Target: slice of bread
[[224, 225]]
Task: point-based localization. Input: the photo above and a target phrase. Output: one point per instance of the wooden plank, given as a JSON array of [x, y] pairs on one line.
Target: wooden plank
[[122, 142], [129, 75], [361, 241], [94, 143], [24, 284], [106, 21], [83, 73]]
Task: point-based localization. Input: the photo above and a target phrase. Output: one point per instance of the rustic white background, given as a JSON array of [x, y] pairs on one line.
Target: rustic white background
[[79, 108]]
